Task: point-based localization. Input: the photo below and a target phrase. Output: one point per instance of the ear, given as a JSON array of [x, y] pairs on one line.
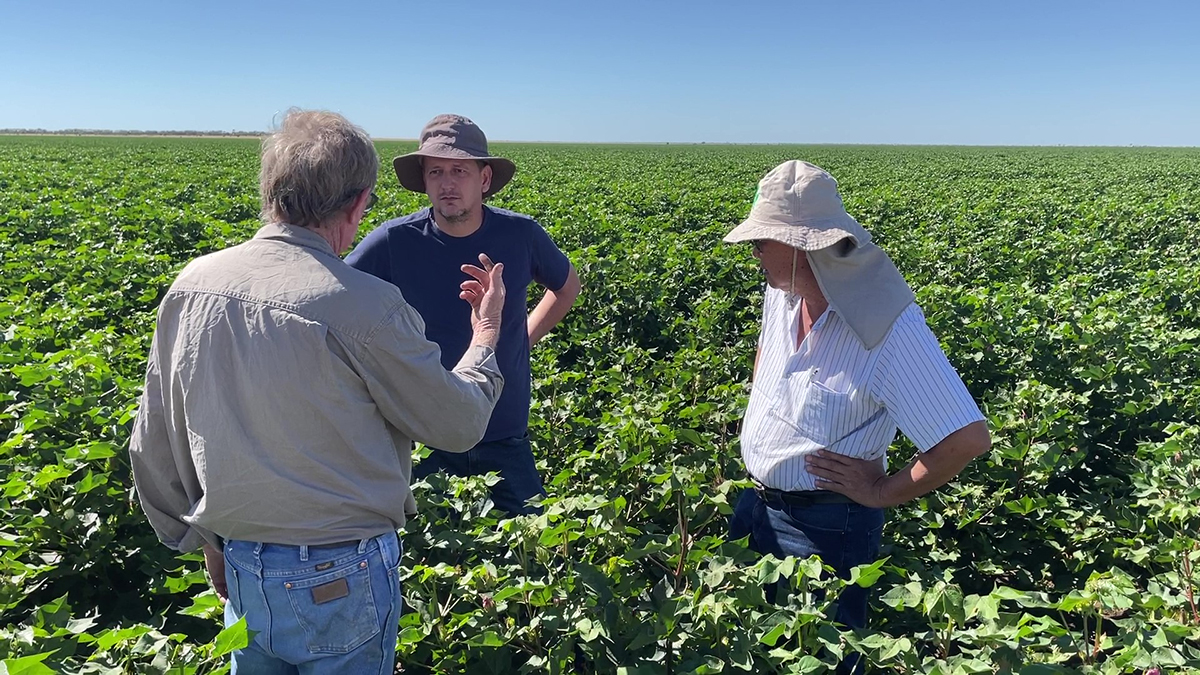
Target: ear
[[358, 207], [487, 178]]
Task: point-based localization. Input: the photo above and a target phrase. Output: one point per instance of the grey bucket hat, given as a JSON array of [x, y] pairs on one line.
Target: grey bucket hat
[[452, 137]]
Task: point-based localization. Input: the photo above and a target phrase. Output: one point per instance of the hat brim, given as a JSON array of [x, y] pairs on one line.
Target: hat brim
[[411, 177], [803, 237]]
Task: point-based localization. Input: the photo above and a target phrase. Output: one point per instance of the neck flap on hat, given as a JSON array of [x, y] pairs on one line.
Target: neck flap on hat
[[861, 284]]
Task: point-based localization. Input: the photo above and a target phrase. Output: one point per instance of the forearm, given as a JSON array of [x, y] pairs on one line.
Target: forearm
[[485, 334], [546, 316], [933, 469], [446, 409], [552, 308]]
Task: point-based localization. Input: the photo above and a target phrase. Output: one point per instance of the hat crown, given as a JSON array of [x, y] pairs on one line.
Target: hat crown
[[455, 131], [797, 193], [798, 204]]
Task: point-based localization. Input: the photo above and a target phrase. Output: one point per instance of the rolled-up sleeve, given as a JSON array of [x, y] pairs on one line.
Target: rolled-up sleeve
[[445, 409], [155, 456]]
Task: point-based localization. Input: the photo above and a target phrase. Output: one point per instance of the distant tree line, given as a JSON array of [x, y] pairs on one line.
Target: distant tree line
[[124, 132]]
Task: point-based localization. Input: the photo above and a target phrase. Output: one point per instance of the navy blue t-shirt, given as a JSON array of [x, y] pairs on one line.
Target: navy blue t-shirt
[[425, 263]]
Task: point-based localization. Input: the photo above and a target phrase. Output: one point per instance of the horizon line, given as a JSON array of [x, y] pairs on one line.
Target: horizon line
[[246, 134]]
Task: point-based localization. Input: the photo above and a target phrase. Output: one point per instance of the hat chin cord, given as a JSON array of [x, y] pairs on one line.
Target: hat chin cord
[[792, 296]]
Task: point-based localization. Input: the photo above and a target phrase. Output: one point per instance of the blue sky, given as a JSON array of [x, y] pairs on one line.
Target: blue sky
[[1042, 73]]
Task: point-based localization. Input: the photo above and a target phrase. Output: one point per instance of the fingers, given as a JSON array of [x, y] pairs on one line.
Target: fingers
[[490, 272], [476, 273], [829, 475], [497, 276], [833, 457], [486, 283], [823, 471], [833, 486], [831, 470]]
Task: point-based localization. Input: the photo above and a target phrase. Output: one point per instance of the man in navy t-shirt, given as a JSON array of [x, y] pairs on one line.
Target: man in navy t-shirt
[[423, 254]]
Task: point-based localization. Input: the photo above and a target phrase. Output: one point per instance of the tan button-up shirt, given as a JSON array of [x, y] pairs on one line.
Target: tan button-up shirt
[[283, 394]]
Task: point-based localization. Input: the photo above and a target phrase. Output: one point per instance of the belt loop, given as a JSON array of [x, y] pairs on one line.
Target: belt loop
[[304, 553], [362, 545], [258, 547]]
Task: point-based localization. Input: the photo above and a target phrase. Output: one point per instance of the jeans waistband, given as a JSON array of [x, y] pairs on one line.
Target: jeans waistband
[[270, 559], [771, 495]]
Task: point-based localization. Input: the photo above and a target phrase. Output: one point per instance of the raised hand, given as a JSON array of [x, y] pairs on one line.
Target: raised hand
[[484, 291]]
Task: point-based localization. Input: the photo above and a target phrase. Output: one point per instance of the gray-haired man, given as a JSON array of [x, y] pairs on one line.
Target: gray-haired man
[[283, 394]]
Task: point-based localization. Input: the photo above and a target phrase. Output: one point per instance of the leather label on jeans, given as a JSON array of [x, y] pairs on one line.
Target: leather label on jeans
[[330, 591], [324, 566]]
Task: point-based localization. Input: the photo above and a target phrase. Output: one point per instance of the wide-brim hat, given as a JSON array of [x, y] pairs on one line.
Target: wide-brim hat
[[452, 137], [798, 204]]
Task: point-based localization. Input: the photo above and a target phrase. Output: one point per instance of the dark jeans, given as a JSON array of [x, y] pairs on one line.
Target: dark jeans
[[843, 535], [512, 458]]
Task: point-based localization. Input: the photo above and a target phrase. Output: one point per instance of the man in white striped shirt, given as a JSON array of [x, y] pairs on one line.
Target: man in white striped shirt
[[844, 359]]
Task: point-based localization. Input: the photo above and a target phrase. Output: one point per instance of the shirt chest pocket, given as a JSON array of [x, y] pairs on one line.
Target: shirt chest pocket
[[816, 411]]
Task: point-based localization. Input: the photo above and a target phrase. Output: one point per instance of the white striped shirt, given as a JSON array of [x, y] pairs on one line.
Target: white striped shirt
[[831, 392]]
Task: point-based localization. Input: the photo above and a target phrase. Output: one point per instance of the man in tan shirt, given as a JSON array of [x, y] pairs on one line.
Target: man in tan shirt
[[283, 394]]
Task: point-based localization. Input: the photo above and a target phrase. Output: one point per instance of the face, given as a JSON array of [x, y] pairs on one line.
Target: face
[[775, 259], [455, 186]]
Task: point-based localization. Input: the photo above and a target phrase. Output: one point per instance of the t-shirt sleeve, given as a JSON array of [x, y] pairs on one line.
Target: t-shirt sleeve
[[919, 388], [549, 265], [371, 255]]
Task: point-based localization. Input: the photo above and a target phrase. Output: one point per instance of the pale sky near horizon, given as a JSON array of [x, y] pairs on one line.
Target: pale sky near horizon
[[1014, 73]]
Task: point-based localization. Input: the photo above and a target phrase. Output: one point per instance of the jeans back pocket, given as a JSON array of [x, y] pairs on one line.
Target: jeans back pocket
[[336, 609]]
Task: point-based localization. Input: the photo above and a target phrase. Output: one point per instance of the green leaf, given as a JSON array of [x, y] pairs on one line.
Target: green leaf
[[867, 575], [987, 608], [233, 638], [895, 647], [26, 665], [809, 664], [902, 597], [410, 636], [488, 638]]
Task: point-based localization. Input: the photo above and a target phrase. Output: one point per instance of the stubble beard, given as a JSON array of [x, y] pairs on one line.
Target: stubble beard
[[458, 218]]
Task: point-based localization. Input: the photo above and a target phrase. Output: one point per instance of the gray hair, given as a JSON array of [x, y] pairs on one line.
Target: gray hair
[[313, 166]]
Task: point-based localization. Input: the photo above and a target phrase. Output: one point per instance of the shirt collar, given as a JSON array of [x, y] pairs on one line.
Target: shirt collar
[[293, 234], [792, 312]]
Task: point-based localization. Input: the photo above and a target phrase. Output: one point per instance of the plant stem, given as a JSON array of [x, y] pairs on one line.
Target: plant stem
[[1083, 650], [1187, 573]]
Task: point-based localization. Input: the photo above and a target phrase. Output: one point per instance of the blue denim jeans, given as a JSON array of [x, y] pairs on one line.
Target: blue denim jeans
[[317, 609], [843, 535], [512, 458]]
